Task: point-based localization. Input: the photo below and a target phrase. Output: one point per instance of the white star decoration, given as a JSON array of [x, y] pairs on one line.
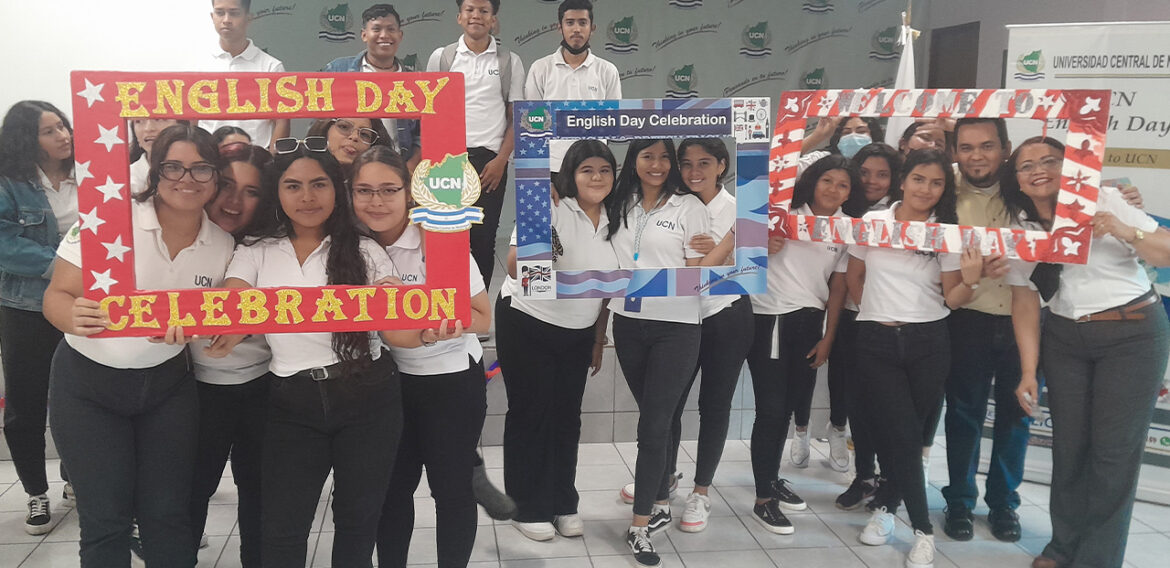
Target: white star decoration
[[102, 280], [81, 172], [92, 93], [91, 220], [1045, 102], [108, 137], [116, 249], [110, 190]]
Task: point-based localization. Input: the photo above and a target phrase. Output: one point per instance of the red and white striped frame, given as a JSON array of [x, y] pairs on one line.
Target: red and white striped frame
[[1087, 114]]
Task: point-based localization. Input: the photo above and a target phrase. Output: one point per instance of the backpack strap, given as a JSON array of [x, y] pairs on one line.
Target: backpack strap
[[447, 57], [505, 63]]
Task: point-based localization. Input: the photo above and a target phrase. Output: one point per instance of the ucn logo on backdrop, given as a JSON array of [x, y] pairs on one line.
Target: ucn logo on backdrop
[[681, 83], [622, 34], [1029, 66], [686, 4], [537, 122], [756, 40], [337, 24], [817, 6], [814, 80], [885, 44]]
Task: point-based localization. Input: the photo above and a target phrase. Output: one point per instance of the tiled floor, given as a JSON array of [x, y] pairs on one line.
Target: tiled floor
[[824, 535]]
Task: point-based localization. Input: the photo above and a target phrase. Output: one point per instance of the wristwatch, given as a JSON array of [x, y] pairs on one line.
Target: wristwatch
[[1138, 235]]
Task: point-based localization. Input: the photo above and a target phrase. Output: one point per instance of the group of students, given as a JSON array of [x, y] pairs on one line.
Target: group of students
[[145, 428]]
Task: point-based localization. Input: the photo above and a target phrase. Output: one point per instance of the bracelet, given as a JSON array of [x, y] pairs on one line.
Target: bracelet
[[973, 287], [1138, 235]]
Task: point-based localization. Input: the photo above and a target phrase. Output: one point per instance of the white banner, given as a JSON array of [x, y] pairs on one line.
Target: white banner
[[1133, 60]]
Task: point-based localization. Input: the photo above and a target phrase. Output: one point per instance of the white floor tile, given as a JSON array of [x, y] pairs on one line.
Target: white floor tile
[[14, 554], [731, 534], [816, 558], [515, 546], [53, 555], [978, 554], [737, 558], [1148, 550]]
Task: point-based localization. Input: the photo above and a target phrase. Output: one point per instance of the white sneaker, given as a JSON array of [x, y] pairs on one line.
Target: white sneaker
[[799, 452], [922, 553], [694, 518], [627, 492], [536, 531], [838, 448], [879, 528], [569, 525]]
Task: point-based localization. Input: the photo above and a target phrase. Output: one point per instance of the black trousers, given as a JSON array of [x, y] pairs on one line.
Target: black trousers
[[780, 376], [483, 235], [723, 346], [1103, 378], [129, 437], [657, 359], [903, 370], [231, 423], [843, 370], [349, 424], [442, 420], [545, 367], [27, 342]]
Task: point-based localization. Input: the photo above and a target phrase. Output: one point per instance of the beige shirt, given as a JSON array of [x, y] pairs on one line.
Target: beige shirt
[[984, 207]]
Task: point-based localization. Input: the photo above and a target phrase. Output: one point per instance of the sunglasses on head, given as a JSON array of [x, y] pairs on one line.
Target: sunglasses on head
[[290, 145]]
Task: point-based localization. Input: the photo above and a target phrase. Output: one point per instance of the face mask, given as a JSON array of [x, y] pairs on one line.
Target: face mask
[[849, 144], [570, 49]]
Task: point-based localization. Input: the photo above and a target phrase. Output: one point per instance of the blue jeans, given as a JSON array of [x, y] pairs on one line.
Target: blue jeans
[[1103, 379], [983, 350], [129, 437]]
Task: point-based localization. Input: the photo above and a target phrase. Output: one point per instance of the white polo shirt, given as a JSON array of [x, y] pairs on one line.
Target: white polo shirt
[[273, 263], [584, 247], [139, 171], [204, 262], [1112, 277], [902, 285], [485, 105], [798, 275], [552, 79], [445, 356], [251, 60], [721, 211], [247, 361], [664, 243], [63, 200]]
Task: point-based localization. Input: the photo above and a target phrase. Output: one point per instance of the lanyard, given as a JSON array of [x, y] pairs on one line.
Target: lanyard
[[642, 218]]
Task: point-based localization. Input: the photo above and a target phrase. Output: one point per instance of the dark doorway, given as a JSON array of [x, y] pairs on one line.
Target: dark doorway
[[954, 56]]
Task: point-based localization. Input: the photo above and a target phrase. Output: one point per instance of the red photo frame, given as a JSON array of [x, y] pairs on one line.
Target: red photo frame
[[1087, 115], [104, 100]]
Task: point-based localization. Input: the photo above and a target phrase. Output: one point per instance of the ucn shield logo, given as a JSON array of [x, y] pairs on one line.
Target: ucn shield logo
[[337, 23], [815, 79], [756, 40], [885, 44], [537, 122], [1029, 66], [623, 34], [817, 6], [681, 83]]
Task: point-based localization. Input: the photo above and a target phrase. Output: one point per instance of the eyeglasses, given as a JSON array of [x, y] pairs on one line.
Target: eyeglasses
[[346, 128], [364, 194], [174, 171], [290, 145], [1049, 163]]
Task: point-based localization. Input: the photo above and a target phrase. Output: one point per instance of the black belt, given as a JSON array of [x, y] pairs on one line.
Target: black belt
[[321, 373]]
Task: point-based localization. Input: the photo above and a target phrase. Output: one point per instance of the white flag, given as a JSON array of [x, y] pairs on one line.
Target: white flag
[[904, 80]]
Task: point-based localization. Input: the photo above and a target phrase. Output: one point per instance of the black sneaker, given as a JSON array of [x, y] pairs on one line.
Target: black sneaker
[[495, 503], [39, 520], [659, 518], [638, 539], [960, 523], [1005, 524], [768, 514], [858, 492], [881, 495], [789, 500]]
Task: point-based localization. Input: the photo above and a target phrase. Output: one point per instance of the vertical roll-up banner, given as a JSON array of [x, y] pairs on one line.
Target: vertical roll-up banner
[[1133, 60]]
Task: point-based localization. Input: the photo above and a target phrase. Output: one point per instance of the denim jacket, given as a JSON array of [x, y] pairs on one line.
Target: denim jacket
[[407, 129], [28, 244]]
